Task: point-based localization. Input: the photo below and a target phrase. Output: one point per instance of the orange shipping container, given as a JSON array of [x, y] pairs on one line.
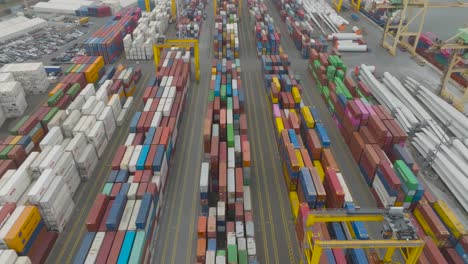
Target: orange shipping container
[[202, 227], [328, 160], [201, 249]]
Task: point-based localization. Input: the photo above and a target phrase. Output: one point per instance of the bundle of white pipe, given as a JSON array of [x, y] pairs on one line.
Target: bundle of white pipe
[[344, 36]]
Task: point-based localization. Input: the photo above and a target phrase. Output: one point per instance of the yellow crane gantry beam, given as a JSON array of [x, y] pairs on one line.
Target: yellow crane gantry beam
[[178, 43], [314, 245]]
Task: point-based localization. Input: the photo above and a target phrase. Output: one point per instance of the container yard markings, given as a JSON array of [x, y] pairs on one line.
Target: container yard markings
[[263, 170], [97, 185], [185, 172], [273, 149], [260, 200], [177, 183]]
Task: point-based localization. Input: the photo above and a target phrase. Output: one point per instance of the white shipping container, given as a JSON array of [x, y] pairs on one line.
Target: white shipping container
[[77, 104], [239, 229], [231, 238], [161, 104], [39, 188], [124, 163], [220, 259], [172, 92], [231, 158], [168, 106], [116, 105], [36, 172], [231, 186], [348, 197], [89, 105], [98, 108], [88, 124], [127, 214], [251, 247], [87, 162], [77, 128], [132, 191], [53, 137], [51, 160], [241, 244], [133, 218], [57, 120], [134, 158], [247, 199], [95, 246], [156, 119], [249, 229], [148, 104], [6, 176], [15, 187], [221, 211], [70, 123], [107, 117], [129, 140], [57, 204], [210, 257], [163, 172], [26, 165], [204, 177], [8, 225], [88, 91], [229, 116], [97, 136], [101, 95], [128, 102], [165, 91], [23, 260], [121, 118], [23, 200], [77, 145], [8, 256]]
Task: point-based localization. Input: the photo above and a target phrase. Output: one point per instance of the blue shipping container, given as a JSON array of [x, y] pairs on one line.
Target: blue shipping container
[[142, 158], [116, 211], [126, 247], [82, 253], [146, 204]]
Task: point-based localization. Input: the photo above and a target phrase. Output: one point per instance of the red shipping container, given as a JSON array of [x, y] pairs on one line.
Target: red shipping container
[[106, 246], [139, 138], [335, 193], [239, 211], [152, 188], [5, 166], [150, 157], [328, 160], [115, 190], [40, 251], [313, 144], [118, 157], [6, 211], [141, 190], [306, 158], [102, 225], [97, 212], [115, 249], [432, 253], [451, 256], [147, 124], [17, 154], [146, 177]]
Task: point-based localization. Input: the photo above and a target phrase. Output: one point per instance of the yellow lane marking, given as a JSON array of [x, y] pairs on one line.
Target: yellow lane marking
[[263, 175], [274, 150], [100, 180]]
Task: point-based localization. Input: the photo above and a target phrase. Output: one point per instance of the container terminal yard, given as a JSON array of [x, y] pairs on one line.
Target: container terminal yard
[[234, 132]]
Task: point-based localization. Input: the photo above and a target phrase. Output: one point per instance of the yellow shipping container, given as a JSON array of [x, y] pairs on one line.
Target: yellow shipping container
[[15, 140], [319, 168], [449, 219], [273, 98], [294, 199], [296, 95], [77, 66], [299, 158], [276, 81], [289, 184], [131, 91], [351, 230], [91, 73], [310, 122], [99, 61], [21, 231], [83, 20], [121, 94], [213, 71], [279, 125], [57, 88]]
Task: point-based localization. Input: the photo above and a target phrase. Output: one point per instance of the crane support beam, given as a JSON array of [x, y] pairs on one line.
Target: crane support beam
[[178, 43], [311, 219], [368, 243]]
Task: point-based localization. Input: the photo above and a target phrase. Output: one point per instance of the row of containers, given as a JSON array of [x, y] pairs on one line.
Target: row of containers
[[122, 221], [94, 11], [311, 174], [378, 145], [226, 231], [107, 41], [189, 24], [226, 31], [44, 160]]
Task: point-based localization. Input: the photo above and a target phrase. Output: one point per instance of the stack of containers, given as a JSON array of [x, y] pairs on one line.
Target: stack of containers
[[108, 40], [374, 137], [151, 26], [377, 144], [123, 218], [267, 36], [94, 11], [190, 22], [225, 226], [226, 39], [12, 99], [32, 76], [87, 69]]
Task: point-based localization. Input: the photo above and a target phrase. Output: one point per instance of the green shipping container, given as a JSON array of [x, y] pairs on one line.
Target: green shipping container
[[50, 115], [406, 175], [107, 189], [74, 90], [54, 99], [243, 259], [232, 254], [223, 92], [230, 135], [221, 253], [69, 69], [211, 96], [5, 151], [229, 103], [14, 130], [137, 249]]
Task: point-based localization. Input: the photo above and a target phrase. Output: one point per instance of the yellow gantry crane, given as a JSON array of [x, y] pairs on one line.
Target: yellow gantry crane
[[173, 7], [410, 248], [458, 46], [178, 43]]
